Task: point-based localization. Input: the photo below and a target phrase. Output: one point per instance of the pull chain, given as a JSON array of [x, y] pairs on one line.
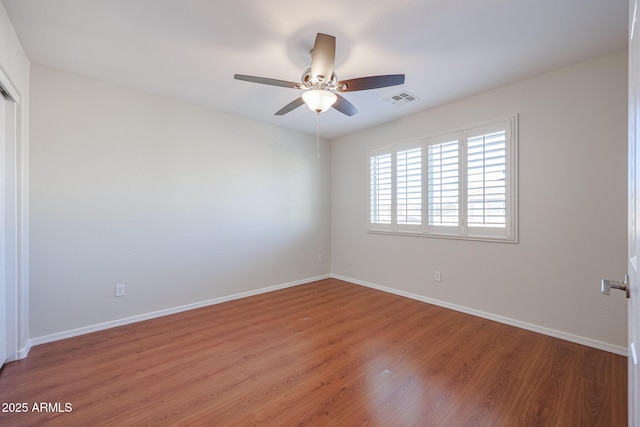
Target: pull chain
[[318, 133]]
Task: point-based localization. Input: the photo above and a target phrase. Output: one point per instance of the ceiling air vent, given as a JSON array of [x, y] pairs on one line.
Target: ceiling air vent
[[401, 98]]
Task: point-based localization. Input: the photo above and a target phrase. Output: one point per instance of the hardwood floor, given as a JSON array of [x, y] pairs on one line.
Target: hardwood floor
[[327, 353]]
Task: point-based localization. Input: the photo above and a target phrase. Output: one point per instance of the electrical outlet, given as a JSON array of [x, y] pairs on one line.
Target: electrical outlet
[[436, 276], [349, 260], [120, 290], [319, 259]]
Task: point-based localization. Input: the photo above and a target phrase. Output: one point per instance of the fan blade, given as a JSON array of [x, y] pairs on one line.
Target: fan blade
[[290, 107], [344, 106], [372, 82], [323, 57], [266, 81]]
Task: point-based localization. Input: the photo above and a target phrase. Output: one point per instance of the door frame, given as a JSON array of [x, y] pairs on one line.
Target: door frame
[[633, 322], [16, 224]]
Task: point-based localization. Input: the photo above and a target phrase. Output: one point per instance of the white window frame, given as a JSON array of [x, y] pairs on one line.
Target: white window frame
[[461, 229]]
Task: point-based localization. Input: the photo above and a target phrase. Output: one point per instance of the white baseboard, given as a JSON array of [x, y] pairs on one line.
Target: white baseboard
[[501, 319], [173, 310], [20, 353], [23, 352]]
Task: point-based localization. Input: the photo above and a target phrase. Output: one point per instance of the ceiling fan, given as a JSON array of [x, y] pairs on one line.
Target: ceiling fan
[[320, 82]]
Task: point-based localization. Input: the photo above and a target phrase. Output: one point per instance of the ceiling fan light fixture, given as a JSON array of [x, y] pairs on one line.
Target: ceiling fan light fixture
[[319, 100]]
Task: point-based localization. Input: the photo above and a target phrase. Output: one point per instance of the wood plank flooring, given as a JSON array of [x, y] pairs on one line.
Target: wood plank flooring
[[328, 353]]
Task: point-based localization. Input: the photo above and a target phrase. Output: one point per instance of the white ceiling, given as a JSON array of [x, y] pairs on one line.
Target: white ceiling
[[190, 49]]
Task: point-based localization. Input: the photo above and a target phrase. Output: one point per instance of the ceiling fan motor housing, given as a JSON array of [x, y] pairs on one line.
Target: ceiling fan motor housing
[[318, 82]]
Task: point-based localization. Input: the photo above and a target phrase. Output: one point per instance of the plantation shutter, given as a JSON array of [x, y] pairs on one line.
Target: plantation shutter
[[457, 185], [409, 186], [380, 196], [487, 172], [443, 177]]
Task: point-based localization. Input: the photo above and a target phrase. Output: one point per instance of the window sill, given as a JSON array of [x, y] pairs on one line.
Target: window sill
[[480, 238]]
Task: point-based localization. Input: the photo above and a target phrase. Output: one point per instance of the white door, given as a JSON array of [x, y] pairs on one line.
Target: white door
[[634, 215], [3, 233]]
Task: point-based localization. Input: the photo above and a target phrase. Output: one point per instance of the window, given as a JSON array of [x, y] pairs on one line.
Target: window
[[458, 185]]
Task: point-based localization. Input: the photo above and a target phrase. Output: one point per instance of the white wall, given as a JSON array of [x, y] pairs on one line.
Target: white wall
[[182, 204], [572, 191], [13, 60], [15, 66]]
